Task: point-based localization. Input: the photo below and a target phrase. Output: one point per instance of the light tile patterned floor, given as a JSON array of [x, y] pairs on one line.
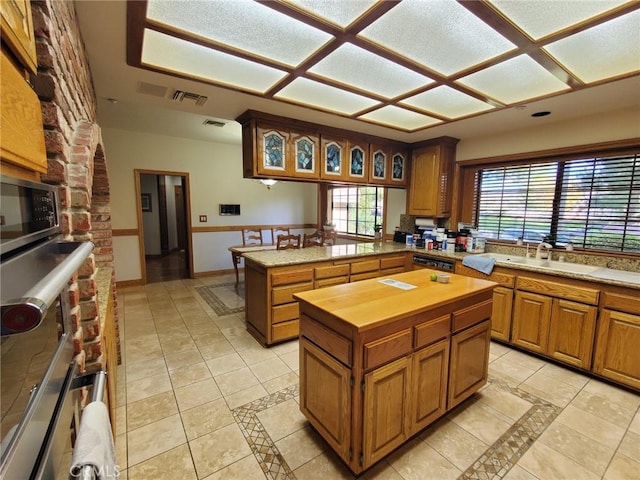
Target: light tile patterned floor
[[199, 398]]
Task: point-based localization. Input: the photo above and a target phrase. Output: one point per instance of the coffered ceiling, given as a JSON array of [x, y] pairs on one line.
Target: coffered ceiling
[[398, 68]]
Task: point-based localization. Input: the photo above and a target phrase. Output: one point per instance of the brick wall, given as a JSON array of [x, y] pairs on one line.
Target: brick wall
[[76, 161]]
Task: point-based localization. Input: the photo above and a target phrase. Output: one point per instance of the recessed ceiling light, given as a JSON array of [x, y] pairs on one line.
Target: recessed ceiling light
[[541, 114], [112, 100]]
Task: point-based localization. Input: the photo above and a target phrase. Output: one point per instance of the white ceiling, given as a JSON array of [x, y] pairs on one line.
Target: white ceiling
[[407, 104]]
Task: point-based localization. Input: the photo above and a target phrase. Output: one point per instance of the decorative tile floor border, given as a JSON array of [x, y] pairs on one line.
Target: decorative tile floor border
[[208, 294], [494, 463], [269, 457]]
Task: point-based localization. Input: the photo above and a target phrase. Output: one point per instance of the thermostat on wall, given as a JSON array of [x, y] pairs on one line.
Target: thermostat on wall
[[229, 209]]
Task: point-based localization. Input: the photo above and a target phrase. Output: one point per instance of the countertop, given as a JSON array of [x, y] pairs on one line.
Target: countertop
[[281, 258], [370, 303]]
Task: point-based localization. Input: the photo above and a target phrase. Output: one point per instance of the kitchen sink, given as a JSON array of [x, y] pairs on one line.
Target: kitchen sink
[[539, 263]]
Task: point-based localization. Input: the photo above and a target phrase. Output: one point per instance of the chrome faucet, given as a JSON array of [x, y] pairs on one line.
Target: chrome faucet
[[542, 252]]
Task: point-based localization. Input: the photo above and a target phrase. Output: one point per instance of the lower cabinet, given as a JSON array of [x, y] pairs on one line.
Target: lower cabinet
[[469, 363], [386, 409], [617, 351], [558, 328], [501, 316], [325, 395], [402, 398]]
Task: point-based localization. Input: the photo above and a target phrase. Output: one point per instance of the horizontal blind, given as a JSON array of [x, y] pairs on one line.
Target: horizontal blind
[[517, 201], [599, 204]]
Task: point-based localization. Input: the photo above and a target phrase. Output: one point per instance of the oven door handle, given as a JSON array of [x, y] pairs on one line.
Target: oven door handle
[[26, 313]]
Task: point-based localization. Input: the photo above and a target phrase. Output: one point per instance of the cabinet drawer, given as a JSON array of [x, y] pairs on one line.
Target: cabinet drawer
[[392, 271], [331, 271], [366, 266], [471, 315], [327, 282], [280, 295], [388, 348], [285, 330], [291, 276], [561, 290], [338, 346], [429, 332], [504, 279], [621, 303], [392, 262], [282, 313], [364, 276]]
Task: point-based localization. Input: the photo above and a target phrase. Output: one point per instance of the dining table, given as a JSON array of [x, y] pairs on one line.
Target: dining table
[[238, 250]]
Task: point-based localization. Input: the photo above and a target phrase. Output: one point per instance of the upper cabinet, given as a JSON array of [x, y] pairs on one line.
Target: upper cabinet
[[22, 148], [379, 160], [17, 32], [431, 178], [277, 147], [306, 152]]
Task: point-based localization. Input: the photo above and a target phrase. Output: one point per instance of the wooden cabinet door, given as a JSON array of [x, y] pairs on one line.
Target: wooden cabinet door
[[17, 32], [379, 165], [334, 159], [466, 374], [274, 155], [422, 195], [305, 150], [325, 396], [22, 138], [398, 168], [429, 374], [571, 332], [386, 419], [501, 315], [530, 323], [357, 165], [617, 353]]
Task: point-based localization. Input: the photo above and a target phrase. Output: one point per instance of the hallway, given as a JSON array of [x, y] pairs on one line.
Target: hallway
[[199, 398]]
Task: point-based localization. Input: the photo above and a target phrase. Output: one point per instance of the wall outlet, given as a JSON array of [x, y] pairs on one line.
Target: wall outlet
[[203, 218]]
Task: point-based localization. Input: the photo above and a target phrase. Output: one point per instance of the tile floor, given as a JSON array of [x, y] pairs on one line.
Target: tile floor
[[199, 398]]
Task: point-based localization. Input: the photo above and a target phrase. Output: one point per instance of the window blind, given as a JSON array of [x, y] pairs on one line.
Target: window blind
[[593, 203], [517, 201], [599, 205]]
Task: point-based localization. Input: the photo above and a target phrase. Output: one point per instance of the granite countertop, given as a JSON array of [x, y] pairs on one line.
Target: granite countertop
[[281, 258], [103, 285]]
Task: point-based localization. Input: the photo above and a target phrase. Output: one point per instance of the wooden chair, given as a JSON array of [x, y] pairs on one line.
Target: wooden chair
[[330, 237], [314, 239], [288, 241], [251, 236], [275, 231]]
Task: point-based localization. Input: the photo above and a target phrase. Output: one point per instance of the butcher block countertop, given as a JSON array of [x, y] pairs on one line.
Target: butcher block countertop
[[370, 303]]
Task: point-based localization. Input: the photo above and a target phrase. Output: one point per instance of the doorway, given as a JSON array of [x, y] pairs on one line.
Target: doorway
[[164, 225]]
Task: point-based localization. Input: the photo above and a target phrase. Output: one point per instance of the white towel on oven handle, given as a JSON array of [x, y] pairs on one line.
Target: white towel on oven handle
[[94, 443]]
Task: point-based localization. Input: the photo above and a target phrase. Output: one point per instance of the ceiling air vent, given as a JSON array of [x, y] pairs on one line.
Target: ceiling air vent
[[151, 89], [188, 97], [213, 123]]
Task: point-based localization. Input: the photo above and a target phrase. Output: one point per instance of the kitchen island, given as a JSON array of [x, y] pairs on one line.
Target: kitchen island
[[273, 276], [383, 358]]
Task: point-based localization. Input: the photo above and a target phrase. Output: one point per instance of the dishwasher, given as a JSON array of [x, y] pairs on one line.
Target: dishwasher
[[425, 261]]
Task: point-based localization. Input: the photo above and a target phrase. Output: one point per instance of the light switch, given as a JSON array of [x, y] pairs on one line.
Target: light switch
[[203, 218]]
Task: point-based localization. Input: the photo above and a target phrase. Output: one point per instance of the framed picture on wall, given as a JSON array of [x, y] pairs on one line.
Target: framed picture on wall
[[145, 201]]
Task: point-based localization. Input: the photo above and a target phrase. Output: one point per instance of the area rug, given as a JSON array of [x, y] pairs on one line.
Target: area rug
[[223, 299]]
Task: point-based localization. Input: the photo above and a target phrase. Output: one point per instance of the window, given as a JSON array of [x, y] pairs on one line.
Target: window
[[356, 210], [593, 203]]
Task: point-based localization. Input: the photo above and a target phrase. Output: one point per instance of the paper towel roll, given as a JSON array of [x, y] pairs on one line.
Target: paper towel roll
[[425, 222]]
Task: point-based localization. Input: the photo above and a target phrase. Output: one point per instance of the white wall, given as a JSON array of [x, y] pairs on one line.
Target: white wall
[[215, 174], [151, 220], [605, 127]]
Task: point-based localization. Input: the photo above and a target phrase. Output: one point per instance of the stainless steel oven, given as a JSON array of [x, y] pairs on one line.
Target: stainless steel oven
[[36, 345]]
